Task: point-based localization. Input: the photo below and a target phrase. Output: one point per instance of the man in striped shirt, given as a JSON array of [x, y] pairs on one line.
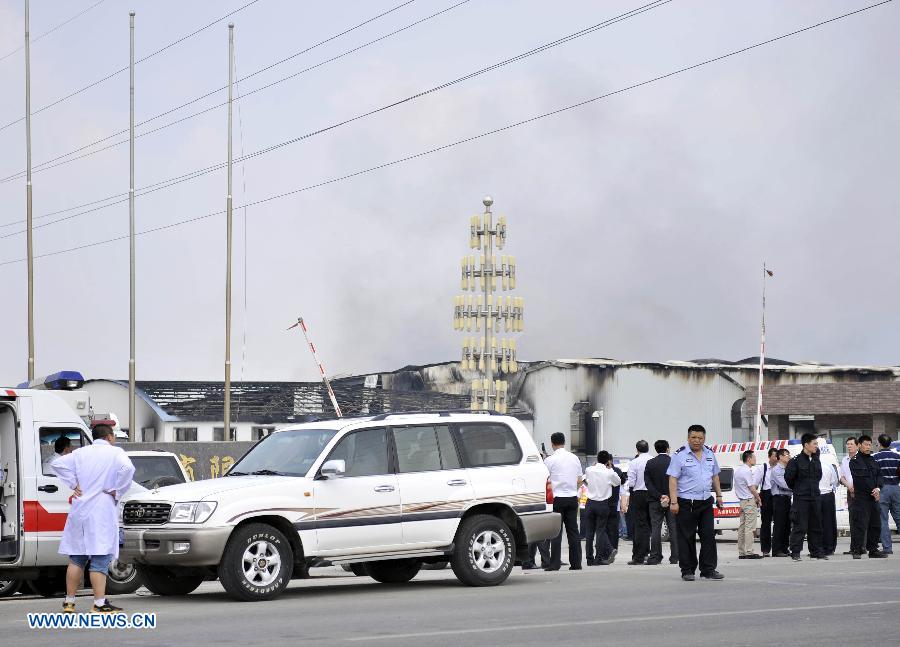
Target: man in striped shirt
[[889, 464]]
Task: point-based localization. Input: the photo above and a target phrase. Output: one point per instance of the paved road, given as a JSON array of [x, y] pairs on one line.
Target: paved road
[[839, 602]]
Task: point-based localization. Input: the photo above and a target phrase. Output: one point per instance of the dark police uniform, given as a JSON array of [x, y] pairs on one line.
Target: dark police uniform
[[803, 474], [695, 509], [865, 513]]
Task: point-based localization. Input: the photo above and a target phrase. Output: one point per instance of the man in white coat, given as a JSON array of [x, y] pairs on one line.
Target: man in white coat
[[100, 474]]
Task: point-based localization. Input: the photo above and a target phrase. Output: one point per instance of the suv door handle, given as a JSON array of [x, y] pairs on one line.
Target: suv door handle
[[456, 482], [384, 488], [48, 488]]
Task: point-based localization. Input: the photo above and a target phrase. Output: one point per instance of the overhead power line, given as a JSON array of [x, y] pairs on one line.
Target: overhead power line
[[51, 30], [473, 138], [125, 69], [55, 162], [192, 175]]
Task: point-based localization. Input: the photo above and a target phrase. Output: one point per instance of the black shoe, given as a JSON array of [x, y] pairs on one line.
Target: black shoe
[[750, 556], [673, 560], [687, 577], [551, 568], [604, 562], [106, 607], [823, 556], [653, 562], [635, 562], [528, 567], [796, 558], [574, 568], [857, 555], [877, 554], [592, 562], [715, 575], [780, 555], [888, 552]]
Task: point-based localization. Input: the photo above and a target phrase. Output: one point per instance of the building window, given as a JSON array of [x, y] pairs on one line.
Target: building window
[[148, 435], [219, 434], [186, 434], [258, 433]]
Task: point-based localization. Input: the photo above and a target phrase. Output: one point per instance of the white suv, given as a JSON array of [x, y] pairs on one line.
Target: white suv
[[384, 494]]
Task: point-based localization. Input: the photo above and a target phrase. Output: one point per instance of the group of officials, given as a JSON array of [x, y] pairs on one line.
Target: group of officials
[[794, 495]]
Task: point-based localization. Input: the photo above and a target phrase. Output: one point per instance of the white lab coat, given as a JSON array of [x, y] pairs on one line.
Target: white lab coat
[[92, 527]]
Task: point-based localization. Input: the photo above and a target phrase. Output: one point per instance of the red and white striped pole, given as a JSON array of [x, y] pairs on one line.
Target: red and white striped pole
[[315, 355], [762, 355]]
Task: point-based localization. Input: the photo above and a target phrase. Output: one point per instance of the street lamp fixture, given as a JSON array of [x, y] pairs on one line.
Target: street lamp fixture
[[487, 313]]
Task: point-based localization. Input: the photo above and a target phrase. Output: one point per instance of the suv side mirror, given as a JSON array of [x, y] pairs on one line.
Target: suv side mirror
[[333, 469]]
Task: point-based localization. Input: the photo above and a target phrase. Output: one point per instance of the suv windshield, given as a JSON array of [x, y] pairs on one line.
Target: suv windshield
[[290, 453]]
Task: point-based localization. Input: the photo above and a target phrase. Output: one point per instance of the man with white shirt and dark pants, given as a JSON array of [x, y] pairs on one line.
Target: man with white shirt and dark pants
[[600, 480], [565, 479], [639, 502], [828, 508], [767, 506], [745, 490]]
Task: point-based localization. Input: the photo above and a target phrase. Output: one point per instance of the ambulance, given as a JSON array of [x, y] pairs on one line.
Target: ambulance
[[35, 504], [728, 455]]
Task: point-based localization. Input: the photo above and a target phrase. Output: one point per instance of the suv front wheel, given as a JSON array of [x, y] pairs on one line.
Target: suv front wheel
[[257, 564], [484, 551]]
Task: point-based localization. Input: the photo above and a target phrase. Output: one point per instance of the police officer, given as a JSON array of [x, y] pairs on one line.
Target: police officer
[[802, 475], [693, 473], [865, 515]]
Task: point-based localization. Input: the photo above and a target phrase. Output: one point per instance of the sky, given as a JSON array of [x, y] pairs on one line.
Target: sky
[[639, 222]]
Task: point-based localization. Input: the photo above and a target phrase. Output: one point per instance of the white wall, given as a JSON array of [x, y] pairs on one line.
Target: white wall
[[638, 403]]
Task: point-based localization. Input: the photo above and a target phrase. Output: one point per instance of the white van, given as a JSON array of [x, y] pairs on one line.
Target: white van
[[729, 458], [35, 504]]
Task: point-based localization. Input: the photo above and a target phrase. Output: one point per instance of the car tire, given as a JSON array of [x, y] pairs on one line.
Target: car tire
[[162, 581], [122, 578], [357, 568], [248, 547], [9, 587], [48, 586], [393, 571], [484, 551]]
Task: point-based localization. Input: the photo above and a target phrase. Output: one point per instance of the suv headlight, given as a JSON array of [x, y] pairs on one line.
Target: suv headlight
[[192, 511]]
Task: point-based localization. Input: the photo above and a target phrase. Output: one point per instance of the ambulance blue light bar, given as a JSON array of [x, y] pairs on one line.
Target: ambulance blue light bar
[[61, 381]]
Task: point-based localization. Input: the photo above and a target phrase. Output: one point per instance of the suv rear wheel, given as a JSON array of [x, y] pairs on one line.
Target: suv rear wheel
[[484, 551], [257, 564], [393, 571], [162, 581]]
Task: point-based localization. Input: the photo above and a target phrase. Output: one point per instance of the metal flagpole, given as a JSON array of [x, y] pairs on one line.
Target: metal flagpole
[[131, 363], [29, 229], [227, 429], [762, 356]]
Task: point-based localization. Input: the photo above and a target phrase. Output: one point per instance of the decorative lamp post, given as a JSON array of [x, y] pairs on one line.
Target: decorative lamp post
[[487, 312]]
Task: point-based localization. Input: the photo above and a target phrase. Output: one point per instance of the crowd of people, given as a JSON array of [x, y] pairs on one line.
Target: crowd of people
[[792, 497]]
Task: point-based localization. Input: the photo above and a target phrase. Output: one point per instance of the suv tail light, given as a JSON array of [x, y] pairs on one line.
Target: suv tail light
[[549, 492]]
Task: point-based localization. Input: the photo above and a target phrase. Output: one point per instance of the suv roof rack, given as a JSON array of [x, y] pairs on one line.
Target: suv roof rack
[[442, 413]]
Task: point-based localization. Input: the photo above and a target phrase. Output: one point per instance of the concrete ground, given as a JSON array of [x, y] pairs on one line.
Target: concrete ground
[[837, 602]]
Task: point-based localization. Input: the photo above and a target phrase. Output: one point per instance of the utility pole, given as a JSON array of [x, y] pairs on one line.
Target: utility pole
[[227, 429], [131, 364], [488, 309], [29, 235]]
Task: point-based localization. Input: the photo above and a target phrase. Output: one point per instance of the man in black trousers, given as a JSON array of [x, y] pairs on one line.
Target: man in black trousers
[[803, 474], [865, 512], [565, 479], [638, 503], [781, 506], [658, 494], [767, 508]]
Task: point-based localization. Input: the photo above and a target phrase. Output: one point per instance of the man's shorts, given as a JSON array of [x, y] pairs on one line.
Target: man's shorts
[[99, 563]]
